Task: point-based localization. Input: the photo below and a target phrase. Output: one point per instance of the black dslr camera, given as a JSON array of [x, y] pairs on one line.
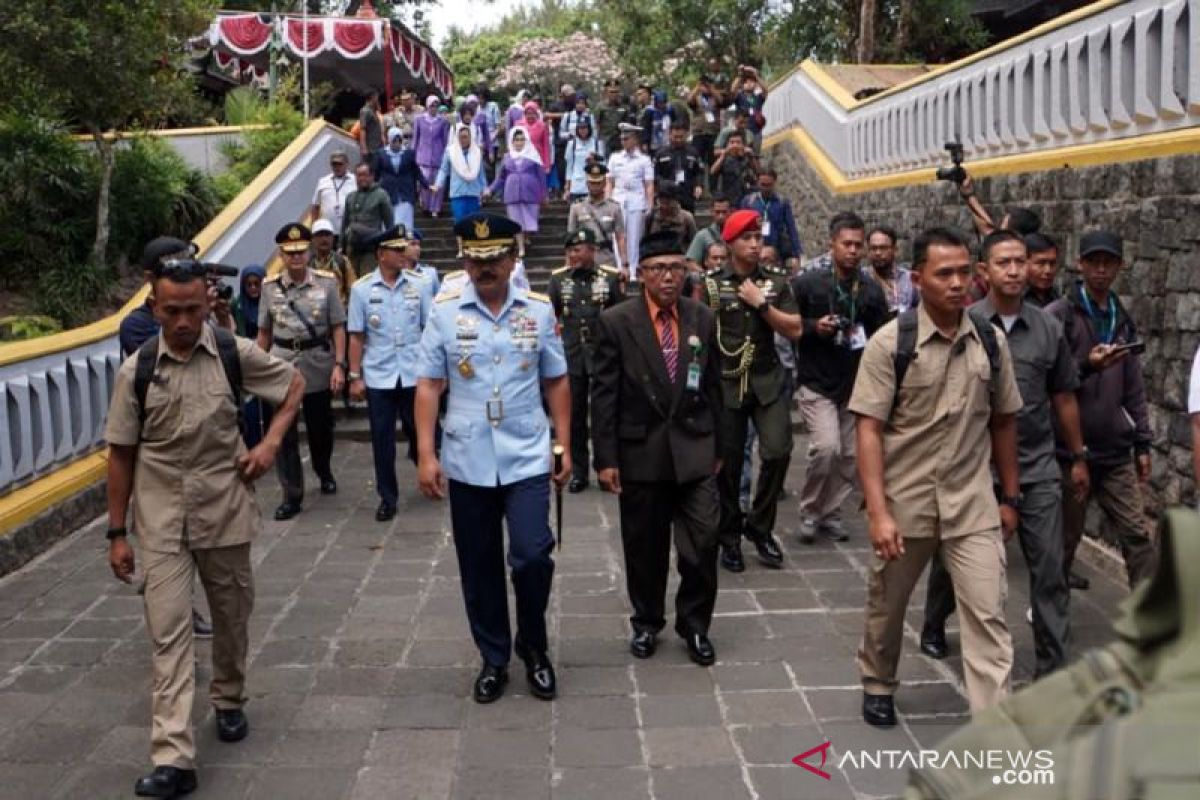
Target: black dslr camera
[[208, 270], [842, 323], [955, 174]]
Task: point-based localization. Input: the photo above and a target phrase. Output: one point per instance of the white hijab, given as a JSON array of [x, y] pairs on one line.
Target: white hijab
[[466, 165], [528, 151]]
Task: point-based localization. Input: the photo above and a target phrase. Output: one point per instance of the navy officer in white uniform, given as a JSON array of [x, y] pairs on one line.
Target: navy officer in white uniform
[[496, 351]]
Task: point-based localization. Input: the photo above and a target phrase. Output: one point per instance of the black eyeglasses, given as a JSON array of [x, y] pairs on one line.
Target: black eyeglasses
[[660, 269]]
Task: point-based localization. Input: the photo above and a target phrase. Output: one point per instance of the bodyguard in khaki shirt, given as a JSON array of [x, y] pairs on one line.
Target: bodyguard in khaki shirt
[[923, 456], [190, 478]]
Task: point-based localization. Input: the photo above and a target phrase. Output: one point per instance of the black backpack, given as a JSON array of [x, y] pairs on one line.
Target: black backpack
[[147, 359], [906, 349]]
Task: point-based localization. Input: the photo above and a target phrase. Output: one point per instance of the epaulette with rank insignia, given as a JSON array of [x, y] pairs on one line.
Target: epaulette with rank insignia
[[416, 273], [607, 270], [454, 274], [772, 269], [324, 273], [561, 270], [363, 278], [538, 296], [453, 294], [712, 273], [274, 278]]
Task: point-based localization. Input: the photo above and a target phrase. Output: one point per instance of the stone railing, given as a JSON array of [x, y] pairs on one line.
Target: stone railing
[[1109, 71], [200, 148], [54, 391]]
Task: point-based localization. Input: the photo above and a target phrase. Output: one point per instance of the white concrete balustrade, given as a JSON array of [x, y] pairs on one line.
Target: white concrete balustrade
[[1113, 72]]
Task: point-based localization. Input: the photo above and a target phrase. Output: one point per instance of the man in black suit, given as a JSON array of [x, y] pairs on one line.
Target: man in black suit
[[656, 400]]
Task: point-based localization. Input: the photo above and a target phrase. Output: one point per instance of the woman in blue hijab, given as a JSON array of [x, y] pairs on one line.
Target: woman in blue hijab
[[256, 413]]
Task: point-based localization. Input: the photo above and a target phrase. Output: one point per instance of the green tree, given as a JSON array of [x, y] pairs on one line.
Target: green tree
[[108, 64]]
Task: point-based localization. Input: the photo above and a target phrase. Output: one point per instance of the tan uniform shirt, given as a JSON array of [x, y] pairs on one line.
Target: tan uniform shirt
[[284, 307], [186, 488], [937, 445]]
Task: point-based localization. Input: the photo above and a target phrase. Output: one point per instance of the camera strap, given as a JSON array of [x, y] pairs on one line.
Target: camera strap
[[147, 360]]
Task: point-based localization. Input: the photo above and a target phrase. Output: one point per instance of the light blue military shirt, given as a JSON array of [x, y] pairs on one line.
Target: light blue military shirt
[[495, 431], [392, 318], [430, 271]]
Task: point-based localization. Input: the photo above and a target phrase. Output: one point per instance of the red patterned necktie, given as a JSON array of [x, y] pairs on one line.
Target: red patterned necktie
[[666, 337]]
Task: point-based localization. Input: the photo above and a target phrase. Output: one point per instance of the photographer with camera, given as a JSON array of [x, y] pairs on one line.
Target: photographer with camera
[[705, 103], [177, 461], [748, 94], [301, 320], [840, 308]]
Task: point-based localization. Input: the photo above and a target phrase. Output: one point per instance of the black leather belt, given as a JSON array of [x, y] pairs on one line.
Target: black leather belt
[[300, 345]]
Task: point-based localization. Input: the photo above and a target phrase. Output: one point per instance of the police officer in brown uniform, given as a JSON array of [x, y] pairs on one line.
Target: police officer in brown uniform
[[176, 451], [301, 319], [602, 215], [579, 292], [752, 304]]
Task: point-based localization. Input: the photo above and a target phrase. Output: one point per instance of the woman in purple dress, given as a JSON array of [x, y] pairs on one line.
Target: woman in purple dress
[[522, 179], [430, 132]]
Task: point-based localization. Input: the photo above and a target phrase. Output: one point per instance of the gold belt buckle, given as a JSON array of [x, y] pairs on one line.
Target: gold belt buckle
[[495, 410]]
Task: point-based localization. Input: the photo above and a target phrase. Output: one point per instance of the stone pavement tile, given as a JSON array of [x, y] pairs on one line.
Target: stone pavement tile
[[377, 783], [807, 623], [369, 628], [763, 708], [292, 652], [41, 743], [59, 605], [19, 708], [679, 711], [786, 599], [596, 712], [930, 698], [73, 652], [432, 680], [733, 601], [443, 653], [381, 586], [338, 713], [608, 603], [583, 747], [41, 680], [445, 599], [726, 631], [27, 781], [436, 750], [854, 737], [751, 677], [124, 744], [256, 749], [119, 606], [298, 625], [593, 627], [302, 783], [503, 749], [793, 783], [828, 704], [832, 670], [588, 584], [655, 679], [81, 704], [96, 780], [274, 710], [843, 598], [111, 629], [307, 748], [368, 652], [401, 570], [222, 783], [362, 681], [689, 747], [427, 711], [443, 626], [601, 783], [595, 681], [690, 783], [596, 652], [928, 731], [489, 783], [15, 651], [775, 745], [261, 679]]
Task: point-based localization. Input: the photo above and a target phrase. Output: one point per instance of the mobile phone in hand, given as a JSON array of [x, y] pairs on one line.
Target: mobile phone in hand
[[1134, 348]]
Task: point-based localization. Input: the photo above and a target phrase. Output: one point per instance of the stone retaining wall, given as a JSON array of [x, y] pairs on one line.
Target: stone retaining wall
[[1154, 204]]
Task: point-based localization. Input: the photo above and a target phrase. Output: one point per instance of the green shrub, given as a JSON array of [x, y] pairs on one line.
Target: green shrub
[[26, 327], [153, 195], [260, 146]]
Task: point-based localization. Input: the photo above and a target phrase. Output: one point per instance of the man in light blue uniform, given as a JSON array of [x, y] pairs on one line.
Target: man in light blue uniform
[[496, 351], [388, 310], [414, 257]]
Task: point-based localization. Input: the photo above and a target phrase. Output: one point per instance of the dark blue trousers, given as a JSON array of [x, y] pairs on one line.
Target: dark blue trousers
[[384, 406], [476, 514]]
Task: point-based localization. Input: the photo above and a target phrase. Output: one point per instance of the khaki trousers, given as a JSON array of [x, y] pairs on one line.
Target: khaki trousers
[[228, 582], [831, 470], [976, 563], [1119, 494]]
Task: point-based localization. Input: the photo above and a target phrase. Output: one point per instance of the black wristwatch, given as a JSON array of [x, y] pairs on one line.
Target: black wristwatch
[[1082, 455], [763, 307], [114, 533], [1013, 502]]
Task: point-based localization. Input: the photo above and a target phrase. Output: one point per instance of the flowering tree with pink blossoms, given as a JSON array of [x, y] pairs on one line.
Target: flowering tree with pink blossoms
[[583, 61]]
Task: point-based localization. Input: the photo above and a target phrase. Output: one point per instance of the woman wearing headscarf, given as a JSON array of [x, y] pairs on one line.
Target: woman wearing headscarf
[[583, 149], [522, 179], [538, 135], [462, 168], [255, 413], [430, 132], [516, 112]]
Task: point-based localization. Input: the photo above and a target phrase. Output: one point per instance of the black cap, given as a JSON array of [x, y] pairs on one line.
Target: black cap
[[612, 83], [1100, 242], [394, 238], [581, 236], [163, 247], [660, 243], [595, 171], [668, 190], [486, 236], [293, 238]]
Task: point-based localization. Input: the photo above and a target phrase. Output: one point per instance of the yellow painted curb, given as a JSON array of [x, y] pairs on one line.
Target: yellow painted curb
[[32, 499]]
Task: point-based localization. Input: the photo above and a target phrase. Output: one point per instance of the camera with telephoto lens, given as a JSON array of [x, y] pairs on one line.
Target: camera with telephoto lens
[[955, 174], [842, 323], [210, 271]]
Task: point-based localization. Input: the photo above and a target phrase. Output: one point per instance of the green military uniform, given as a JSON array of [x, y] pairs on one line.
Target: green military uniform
[[604, 218], [300, 317], [752, 384], [579, 294], [608, 118]]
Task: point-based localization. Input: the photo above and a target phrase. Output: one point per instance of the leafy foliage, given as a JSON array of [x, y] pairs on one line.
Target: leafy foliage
[[260, 146], [581, 60], [29, 326]]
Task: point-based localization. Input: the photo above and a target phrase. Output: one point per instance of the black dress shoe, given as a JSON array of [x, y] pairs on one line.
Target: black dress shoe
[[166, 782], [1079, 582], [731, 558], [643, 644], [385, 512], [328, 486], [577, 485], [700, 649], [933, 643], [287, 511], [539, 672], [879, 710], [232, 725], [489, 685], [768, 550]]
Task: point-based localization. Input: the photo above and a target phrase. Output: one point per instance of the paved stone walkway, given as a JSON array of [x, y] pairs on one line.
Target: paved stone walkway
[[362, 665]]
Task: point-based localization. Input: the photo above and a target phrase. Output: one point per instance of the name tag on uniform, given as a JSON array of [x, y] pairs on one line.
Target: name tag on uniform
[[693, 377], [766, 228], [680, 176], [857, 339], [375, 300]]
